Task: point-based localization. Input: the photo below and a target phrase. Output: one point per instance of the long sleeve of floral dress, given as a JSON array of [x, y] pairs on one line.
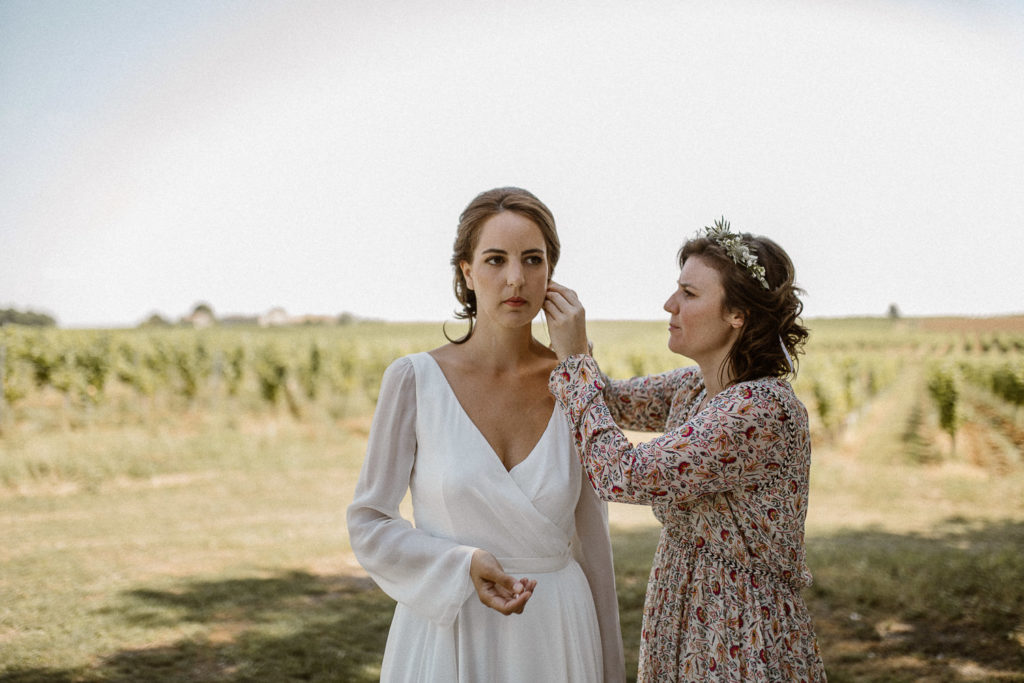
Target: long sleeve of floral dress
[[727, 446]]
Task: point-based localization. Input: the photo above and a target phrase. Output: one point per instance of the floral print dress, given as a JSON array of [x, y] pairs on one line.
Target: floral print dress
[[729, 484]]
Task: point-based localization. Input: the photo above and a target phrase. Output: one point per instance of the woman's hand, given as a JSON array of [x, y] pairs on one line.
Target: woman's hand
[[495, 588], [567, 323]]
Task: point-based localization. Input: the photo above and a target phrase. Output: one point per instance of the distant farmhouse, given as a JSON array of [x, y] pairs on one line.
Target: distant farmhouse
[[200, 318], [275, 317]]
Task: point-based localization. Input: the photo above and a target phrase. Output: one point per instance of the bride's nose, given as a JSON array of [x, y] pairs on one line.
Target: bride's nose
[[514, 277]]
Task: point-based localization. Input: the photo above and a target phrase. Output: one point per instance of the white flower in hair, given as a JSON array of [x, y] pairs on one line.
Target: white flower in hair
[[741, 254]]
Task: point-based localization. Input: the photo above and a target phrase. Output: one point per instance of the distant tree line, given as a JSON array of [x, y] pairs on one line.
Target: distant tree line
[[202, 316], [10, 316]]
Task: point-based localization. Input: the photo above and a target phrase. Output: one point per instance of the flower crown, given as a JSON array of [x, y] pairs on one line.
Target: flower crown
[[742, 255]]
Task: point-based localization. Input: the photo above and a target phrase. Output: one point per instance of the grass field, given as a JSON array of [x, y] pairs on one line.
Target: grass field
[[205, 542]]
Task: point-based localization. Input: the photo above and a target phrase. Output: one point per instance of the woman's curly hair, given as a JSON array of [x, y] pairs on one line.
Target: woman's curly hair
[[772, 315]]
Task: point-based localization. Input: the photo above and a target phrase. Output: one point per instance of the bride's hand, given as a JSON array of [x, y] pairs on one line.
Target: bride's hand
[[567, 324], [495, 588]]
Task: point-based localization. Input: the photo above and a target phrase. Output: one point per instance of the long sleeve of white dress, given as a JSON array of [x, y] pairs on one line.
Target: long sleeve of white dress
[[592, 548], [428, 574]]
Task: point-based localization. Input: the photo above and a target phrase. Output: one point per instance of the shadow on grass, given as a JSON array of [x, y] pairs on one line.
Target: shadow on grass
[[293, 627], [946, 607], [887, 607], [891, 607]]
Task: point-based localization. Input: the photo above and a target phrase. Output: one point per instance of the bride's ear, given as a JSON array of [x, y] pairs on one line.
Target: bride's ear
[[467, 274]]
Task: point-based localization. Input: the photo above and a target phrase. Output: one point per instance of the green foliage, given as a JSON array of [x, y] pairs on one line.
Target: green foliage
[[10, 316], [189, 365], [942, 389], [1008, 384], [93, 363], [271, 373], [823, 402], [44, 360], [155, 320], [337, 369], [234, 369], [309, 372]]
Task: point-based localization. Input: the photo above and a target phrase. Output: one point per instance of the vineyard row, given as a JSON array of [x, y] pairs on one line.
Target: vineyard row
[[260, 369]]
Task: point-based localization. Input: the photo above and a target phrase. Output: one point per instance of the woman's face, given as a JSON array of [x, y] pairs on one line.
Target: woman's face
[[700, 328], [509, 271]]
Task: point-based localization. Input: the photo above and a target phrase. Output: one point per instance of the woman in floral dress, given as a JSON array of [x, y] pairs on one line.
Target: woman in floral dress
[[728, 478]]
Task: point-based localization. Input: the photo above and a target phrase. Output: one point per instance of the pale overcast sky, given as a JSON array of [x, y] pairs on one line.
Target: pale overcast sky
[[316, 155]]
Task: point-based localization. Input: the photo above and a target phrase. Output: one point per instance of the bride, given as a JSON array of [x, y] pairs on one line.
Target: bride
[[497, 490]]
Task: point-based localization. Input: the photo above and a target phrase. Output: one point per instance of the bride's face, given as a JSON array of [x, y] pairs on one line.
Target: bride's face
[[509, 271]]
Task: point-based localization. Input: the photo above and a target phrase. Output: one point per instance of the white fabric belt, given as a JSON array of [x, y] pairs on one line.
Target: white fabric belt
[[524, 566]]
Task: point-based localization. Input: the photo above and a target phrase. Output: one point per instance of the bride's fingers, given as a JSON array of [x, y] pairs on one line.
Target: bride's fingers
[[519, 603], [509, 604], [502, 592]]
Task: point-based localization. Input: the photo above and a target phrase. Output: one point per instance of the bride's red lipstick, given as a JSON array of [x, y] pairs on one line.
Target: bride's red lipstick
[[515, 301]]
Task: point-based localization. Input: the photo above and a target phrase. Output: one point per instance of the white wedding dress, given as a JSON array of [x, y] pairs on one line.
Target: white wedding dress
[[541, 520]]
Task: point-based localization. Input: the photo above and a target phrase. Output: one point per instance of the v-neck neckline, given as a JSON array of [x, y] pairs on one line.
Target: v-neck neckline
[[497, 458]]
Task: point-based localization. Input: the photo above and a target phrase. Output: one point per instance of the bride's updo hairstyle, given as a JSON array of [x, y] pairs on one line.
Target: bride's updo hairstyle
[[764, 290], [484, 206]]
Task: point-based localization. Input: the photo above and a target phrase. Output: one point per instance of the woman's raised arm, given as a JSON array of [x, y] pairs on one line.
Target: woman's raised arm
[[727, 446]]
